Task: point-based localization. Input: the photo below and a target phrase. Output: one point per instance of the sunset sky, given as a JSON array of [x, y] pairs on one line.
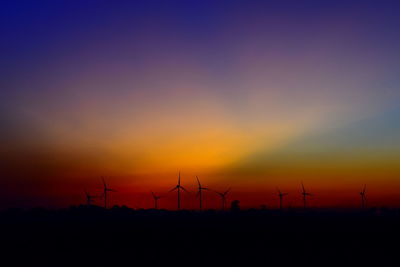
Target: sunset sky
[[251, 95]]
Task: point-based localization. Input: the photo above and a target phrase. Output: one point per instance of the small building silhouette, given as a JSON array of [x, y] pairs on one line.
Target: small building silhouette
[[235, 205]]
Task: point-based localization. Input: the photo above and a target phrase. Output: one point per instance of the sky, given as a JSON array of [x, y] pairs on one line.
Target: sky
[[251, 95]]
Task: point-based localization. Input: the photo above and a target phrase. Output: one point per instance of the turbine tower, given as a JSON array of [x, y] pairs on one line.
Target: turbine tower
[[363, 197], [305, 194], [156, 198], [281, 195], [223, 197], [178, 187], [105, 190], [199, 193], [89, 198]]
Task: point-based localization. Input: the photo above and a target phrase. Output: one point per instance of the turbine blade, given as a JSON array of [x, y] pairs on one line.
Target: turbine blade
[[179, 178], [184, 189], [198, 181], [173, 189], [302, 185], [216, 192]]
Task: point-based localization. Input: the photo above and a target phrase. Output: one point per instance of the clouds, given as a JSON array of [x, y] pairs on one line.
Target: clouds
[[331, 157]]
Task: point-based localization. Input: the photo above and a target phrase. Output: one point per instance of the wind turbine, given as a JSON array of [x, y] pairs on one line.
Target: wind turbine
[[105, 190], [223, 197], [199, 193], [89, 198], [178, 187], [363, 197], [156, 198], [281, 195], [305, 194]]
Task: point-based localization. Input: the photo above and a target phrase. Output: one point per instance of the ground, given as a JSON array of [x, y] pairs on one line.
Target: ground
[[124, 237]]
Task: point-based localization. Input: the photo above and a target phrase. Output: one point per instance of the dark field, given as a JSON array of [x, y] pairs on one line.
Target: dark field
[[84, 236]]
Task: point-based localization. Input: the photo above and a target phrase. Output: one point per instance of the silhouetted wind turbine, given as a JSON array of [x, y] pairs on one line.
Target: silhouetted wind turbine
[[156, 198], [89, 198], [223, 197], [281, 195], [363, 197], [105, 190], [199, 193], [178, 187], [305, 194]]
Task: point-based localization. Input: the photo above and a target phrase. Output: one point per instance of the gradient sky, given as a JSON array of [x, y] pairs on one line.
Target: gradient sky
[[247, 94]]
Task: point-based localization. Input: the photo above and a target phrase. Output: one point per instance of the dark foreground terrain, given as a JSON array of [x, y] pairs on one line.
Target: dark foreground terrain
[[120, 236]]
